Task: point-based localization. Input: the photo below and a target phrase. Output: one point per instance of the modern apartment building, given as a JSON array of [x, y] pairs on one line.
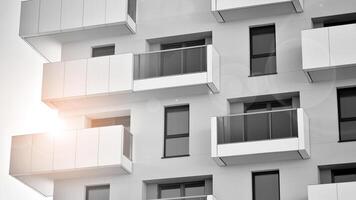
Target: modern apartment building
[[193, 99]]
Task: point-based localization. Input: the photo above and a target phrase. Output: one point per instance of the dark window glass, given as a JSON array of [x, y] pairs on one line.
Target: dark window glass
[[266, 185], [188, 189], [343, 175], [101, 192], [176, 142], [103, 51], [263, 50], [131, 9], [347, 113]]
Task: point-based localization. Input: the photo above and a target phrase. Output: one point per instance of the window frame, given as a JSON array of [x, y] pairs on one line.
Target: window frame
[[254, 174], [183, 135], [95, 187], [264, 55], [340, 120], [182, 186], [102, 46]]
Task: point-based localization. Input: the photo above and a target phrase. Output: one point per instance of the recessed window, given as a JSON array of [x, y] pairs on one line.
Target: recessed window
[[263, 50], [176, 134], [99, 192], [347, 114], [343, 175], [266, 185], [188, 189], [103, 51], [335, 20]]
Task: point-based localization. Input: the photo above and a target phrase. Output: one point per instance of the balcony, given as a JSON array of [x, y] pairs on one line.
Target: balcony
[[78, 79], [260, 137], [202, 197], [199, 65], [334, 191], [47, 24], [329, 53], [39, 159], [229, 10], [68, 83]]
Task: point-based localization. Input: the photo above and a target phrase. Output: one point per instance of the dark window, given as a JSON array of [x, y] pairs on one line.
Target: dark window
[[271, 125], [262, 50], [347, 114], [335, 20], [265, 185], [176, 134], [188, 189], [131, 9], [343, 175], [103, 51], [99, 192]]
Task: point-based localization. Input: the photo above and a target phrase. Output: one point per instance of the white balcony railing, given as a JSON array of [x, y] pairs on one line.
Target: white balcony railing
[[329, 53], [39, 159], [277, 135], [333, 191], [228, 10]]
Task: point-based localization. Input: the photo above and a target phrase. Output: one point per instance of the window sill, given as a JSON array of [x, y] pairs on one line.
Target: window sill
[[166, 157], [262, 75]]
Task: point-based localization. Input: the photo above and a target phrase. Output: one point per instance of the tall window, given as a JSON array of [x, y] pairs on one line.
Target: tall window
[[189, 189], [347, 114], [99, 192], [266, 185], [103, 51], [176, 134], [262, 50]]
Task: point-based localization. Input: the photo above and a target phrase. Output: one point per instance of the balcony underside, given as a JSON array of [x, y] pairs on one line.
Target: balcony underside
[[226, 10], [49, 45], [331, 73]]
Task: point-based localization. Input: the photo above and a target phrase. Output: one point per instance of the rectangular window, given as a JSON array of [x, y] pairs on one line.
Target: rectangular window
[[98, 192], [347, 114], [266, 185], [189, 189], [176, 134], [343, 175], [263, 50], [103, 51], [334, 20]]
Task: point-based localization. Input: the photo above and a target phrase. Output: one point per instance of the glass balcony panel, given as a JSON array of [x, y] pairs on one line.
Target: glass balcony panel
[[127, 144], [257, 126], [170, 62]]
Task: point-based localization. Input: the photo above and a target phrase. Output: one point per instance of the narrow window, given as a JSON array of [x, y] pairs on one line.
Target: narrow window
[[176, 134], [265, 185], [347, 114], [262, 50], [99, 192], [103, 51], [343, 175], [334, 20]]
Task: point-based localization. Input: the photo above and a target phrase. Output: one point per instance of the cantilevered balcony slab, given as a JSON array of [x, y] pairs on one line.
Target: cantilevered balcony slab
[[47, 24], [38, 160], [190, 66], [333, 191], [329, 53], [260, 137], [124, 76], [229, 10]]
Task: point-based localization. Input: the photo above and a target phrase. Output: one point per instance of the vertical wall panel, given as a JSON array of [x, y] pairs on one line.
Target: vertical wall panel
[[42, 152], [94, 12], [50, 15], [98, 75], [87, 148], [29, 17], [121, 73], [110, 146], [53, 80], [21, 148], [64, 150], [75, 78], [72, 14], [342, 45], [116, 10]]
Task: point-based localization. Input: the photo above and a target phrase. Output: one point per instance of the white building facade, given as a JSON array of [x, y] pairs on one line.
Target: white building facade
[[193, 99]]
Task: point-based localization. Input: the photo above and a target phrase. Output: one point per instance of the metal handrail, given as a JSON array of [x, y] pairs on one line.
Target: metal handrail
[[176, 49], [255, 113], [187, 197]]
